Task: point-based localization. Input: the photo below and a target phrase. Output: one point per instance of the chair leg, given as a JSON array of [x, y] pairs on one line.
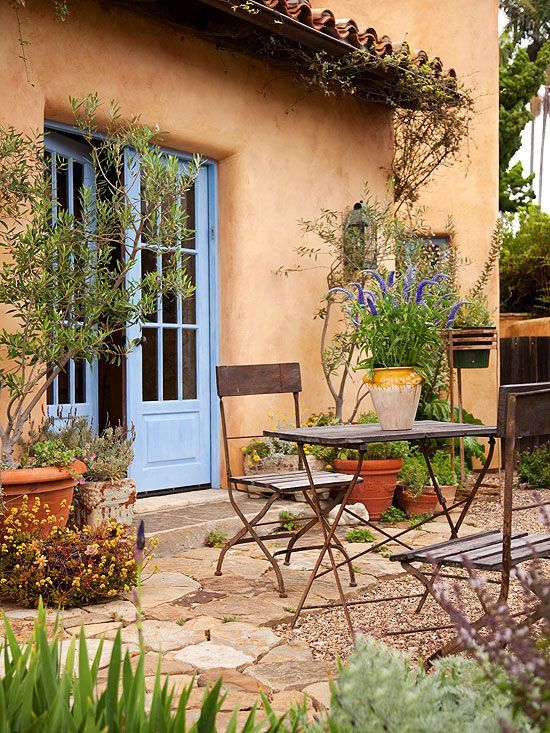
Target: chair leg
[[425, 595], [249, 529]]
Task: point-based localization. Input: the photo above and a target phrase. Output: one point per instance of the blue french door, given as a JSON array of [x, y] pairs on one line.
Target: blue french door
[[168, 373], [74, 391]]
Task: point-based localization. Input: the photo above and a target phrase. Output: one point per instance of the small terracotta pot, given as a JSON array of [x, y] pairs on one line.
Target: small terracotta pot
[[449, 493], [53, 485], [415, 505], [376, 490]]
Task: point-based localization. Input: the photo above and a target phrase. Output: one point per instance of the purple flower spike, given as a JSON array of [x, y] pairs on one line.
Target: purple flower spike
[[439, 277], [140, 539], [379, 279], [372, 307], [346, 292], [360, 294], [391, 279], [454, 311], [422, 285], [407, 282]]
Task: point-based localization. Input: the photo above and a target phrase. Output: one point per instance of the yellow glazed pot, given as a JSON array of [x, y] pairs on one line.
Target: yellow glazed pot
[[395, 393]]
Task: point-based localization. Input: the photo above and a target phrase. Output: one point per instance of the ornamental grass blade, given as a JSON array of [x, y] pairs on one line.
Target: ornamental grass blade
[[110, 696], [209, 710]]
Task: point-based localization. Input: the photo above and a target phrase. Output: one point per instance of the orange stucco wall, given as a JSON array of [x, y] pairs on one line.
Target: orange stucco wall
[[282, 155]]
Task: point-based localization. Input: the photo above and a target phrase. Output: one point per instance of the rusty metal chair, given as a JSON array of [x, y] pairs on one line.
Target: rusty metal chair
[[523, 411], [263, 379]]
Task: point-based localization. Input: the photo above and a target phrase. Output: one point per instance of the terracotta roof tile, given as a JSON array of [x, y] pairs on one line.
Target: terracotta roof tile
[[349, 31]]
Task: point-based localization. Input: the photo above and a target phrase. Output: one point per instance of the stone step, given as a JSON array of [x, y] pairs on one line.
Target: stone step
[[182, 521]]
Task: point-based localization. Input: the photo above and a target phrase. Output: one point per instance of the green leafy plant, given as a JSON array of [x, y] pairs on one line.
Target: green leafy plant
[[399, 321], [393, 514], [474, 313], [49, 452], [441, 464], [533, 467], [260, 448], [395, 450], [41, 694], [57, 279], [379, 690], [215, 538], [414, 474], [229, 619], [67, 567], [289, 520], [417, 519], [359, 534], [107, 456]]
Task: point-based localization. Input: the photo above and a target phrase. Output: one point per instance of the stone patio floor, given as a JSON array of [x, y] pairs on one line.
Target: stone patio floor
[[209, 627]]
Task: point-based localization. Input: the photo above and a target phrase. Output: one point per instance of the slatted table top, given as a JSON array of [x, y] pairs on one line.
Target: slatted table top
[[355, 436]]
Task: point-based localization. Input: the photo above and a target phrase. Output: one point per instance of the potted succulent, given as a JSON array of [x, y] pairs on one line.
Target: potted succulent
[[398, 331], [381, 464], [104, 492], [415, 495], [66, 301]]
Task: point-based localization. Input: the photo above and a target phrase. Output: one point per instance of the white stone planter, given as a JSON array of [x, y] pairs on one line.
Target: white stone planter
[[102, 501]]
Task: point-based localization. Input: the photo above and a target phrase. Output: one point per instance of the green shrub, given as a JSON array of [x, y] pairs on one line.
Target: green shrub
[[289, 520], [393, 514], [414, 474], [50, 452], [378, 691], [38, 695], [533, 467], [359, 535], [441, 464], [417, 519], [215, 538]]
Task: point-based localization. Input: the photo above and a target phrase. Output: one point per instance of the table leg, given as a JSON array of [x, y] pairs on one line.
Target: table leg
[[328, 535], [441, 498]]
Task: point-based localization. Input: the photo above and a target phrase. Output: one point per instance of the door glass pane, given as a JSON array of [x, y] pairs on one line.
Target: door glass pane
[[149, 264], [189, 355], [62, 184], [170, 364], [189, 304], [149, 364], [80, 381], [189, 204], [63, 387], [78, 180], [169, 301]]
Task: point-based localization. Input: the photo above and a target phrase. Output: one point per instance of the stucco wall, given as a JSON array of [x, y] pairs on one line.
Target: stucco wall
[[464, 34], [282, 156]]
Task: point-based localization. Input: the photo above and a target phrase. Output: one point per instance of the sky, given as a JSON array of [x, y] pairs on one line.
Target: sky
[[523, 155]]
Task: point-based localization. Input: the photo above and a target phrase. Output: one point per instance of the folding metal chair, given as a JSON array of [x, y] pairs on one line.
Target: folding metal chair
[[261, 379], [523, 411]]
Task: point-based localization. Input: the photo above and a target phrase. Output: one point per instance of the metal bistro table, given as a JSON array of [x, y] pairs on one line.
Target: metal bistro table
[[357, 437]]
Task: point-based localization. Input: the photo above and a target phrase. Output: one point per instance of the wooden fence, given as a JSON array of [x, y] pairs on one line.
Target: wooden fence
[[525, 359]]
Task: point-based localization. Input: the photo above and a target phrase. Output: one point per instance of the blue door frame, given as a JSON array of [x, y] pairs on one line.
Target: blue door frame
[[177, 438]]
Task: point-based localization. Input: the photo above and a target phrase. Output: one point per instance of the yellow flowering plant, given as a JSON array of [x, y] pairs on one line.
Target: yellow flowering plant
[[67, 567]]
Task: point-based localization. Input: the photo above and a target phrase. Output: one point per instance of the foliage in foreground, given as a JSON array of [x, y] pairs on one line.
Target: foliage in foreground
[[39, 694], [379, 692], [68, 567]]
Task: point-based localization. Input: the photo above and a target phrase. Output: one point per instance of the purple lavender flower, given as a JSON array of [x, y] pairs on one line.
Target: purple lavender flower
[[346, 292], [391, 279], [379, 279], [454, 311], [408, 282], [424, 283], [363, 294]]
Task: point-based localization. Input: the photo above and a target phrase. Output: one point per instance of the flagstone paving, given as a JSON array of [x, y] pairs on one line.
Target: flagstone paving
[[232, 626]]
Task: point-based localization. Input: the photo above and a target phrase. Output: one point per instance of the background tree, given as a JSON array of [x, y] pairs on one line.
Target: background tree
[[524, 60]]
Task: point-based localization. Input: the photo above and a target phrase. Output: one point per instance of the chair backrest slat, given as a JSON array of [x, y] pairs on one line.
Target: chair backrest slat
[[533, 417], [256, 379]]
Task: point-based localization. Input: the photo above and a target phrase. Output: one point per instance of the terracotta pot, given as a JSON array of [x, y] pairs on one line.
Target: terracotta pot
[[449, 493], [415, 505], [378, 485], [52, 484], [395, 394]]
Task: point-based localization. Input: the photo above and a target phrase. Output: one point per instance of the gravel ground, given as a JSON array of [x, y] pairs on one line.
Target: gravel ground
[[327, 633]]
